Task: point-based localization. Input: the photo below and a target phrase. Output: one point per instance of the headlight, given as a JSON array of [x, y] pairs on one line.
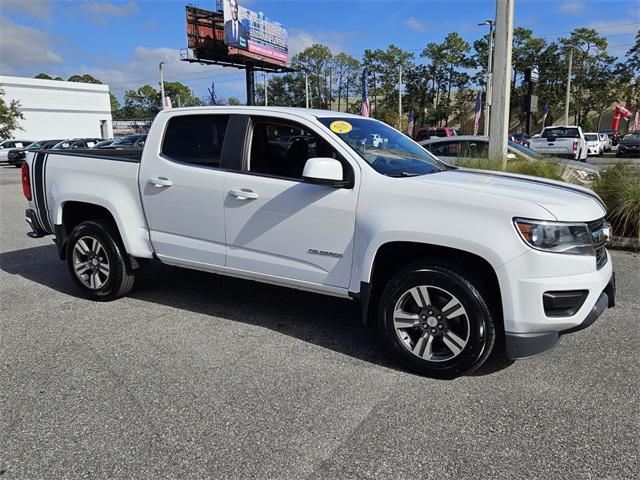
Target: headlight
[[556, 237]]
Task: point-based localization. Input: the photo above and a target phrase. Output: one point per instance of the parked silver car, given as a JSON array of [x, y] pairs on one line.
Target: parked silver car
[[450, 149]]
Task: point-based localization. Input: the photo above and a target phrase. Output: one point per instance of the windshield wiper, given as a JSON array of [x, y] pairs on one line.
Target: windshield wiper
[[403, 174]]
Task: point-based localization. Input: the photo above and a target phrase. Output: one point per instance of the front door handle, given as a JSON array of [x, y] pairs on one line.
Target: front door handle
[[160, 182], [244, 194]]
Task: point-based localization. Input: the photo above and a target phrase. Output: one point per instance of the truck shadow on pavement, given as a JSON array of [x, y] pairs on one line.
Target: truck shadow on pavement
[[328, 322]]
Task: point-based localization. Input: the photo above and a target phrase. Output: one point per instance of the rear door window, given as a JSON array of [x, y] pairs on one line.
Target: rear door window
[[195, 139]]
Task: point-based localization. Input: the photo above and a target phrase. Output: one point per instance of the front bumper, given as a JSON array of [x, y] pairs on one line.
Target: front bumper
[[525, 345]]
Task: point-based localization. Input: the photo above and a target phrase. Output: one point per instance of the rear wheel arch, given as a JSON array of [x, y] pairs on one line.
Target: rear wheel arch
[[73, 213]]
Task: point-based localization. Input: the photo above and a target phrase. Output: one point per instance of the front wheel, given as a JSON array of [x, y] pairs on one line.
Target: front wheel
[[435, 321], [95, 257]]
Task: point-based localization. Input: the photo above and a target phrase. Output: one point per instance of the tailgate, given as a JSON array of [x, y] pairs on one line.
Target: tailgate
[[552, 145]]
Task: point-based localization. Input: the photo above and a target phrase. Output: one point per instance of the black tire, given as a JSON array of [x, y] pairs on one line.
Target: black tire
[[119, 280], [480, 327]]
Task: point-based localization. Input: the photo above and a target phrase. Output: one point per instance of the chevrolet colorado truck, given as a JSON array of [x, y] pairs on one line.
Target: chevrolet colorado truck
[[561, 141], [449, 263]]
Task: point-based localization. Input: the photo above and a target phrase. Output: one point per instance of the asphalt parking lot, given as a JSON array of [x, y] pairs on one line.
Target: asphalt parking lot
[[200, 376]]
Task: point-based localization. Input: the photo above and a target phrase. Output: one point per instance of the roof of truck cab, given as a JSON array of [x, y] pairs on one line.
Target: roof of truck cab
[[310, 113]]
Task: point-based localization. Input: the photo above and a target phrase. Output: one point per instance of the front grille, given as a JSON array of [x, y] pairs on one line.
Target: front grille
[[600, 236]]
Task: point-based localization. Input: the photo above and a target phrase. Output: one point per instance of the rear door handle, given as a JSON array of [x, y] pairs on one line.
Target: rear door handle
[[160, 182], [244, 194]]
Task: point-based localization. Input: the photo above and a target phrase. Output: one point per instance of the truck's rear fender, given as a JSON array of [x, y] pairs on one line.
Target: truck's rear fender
[[97, 183], [76, 208]]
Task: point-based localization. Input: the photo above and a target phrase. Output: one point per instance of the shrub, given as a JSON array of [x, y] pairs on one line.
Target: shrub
[[619, 188], [543, 168]]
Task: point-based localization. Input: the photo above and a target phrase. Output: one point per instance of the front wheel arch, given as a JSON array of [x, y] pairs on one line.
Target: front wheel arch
[[393, 256]]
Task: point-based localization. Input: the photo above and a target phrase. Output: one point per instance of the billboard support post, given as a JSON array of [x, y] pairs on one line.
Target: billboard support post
[[266, 89], [251, 88]]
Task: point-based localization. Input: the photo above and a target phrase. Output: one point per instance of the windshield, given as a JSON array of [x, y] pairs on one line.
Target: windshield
[[36, 145], [591, 138], [523, 149], [62, 145], [561, 133], [389, 152], [632, 136]]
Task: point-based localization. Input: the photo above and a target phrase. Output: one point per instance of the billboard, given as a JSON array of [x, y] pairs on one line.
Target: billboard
[[248, 31]]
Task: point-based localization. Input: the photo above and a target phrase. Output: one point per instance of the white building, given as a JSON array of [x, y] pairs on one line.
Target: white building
[[57, 109]]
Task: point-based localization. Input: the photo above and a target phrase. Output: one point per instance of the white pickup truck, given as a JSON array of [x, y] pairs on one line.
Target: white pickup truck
[[449, 263], [561, 141]]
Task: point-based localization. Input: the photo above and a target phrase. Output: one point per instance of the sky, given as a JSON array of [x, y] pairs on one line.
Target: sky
[[122, 42]]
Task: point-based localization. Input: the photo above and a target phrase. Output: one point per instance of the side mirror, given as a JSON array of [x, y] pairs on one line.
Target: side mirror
[[323, 171], [511, 156]]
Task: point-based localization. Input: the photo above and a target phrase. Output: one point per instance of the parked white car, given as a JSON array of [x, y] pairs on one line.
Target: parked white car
[[449, 263], [561, 141], [606, 141], [594, 145], [7, 145]]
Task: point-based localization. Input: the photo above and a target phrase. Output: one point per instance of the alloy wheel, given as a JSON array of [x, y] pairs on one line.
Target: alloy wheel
[[90, 262], [431, 323]]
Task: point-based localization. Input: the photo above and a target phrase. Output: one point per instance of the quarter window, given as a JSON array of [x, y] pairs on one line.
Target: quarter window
[[195, 139]]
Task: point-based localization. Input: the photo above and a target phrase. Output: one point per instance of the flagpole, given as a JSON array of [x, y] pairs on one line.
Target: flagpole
[[400, 98]]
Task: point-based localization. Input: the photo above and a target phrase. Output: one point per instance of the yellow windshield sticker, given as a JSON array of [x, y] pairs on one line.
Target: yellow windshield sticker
[[340, 126]]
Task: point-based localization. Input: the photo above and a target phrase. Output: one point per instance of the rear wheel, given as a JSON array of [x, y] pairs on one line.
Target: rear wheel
[[435, 321], [95, 257]]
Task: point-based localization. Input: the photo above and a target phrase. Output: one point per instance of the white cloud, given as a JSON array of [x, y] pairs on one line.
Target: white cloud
[[143, 68], [100, 13], [39, 9], [571, 7], [623, 35], [414, 24], [24, 47], [299, 40]]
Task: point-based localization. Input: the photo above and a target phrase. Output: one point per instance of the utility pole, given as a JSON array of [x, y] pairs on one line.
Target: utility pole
[[488, 77], [568, 97], [400, 98], [266, 94], [501, 92], [306, 89], [164, 100]]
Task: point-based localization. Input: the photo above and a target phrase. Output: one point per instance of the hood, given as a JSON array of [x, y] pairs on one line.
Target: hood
[[565, 201], [629, 142]]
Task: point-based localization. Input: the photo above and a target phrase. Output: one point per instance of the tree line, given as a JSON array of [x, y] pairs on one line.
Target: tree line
[[439, 83]]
